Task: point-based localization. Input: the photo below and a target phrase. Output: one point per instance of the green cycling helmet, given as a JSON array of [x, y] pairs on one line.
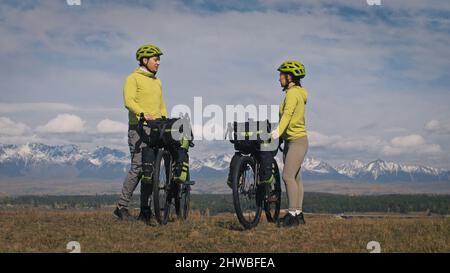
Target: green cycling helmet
[[295, 67], [148, 51]]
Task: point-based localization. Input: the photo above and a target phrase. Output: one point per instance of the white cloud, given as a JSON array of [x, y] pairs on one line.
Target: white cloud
[[368, 144], [35, 107], [317, 139], [408, 141], [435, 126], [110, 126], [375, 146], [411, 144], [63, 123], [12, 128], [428, 149]]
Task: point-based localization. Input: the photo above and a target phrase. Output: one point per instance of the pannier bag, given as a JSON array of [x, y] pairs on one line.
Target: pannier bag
[[169, 132], [176, 136], [249, 138], [181, 170], [148, 159]]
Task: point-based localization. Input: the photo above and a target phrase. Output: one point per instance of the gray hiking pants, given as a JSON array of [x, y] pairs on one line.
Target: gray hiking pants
[[135, 172]]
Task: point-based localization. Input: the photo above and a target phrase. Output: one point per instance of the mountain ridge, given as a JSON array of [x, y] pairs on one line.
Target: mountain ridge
[[41, 160]]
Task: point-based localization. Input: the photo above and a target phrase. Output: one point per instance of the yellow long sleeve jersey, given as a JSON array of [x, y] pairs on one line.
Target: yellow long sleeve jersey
[[292, 114], [142, 93]]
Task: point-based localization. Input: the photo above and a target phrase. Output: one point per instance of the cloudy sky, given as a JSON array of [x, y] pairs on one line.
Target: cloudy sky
[[378, 76]]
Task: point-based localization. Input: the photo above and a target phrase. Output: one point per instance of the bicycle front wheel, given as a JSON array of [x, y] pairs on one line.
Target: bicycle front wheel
[[246, 204], [161, 187]]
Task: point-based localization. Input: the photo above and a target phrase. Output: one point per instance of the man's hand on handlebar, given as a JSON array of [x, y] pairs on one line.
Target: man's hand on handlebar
[[146, 117]]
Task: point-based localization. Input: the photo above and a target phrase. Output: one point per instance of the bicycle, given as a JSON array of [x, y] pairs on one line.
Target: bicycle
[[166, 191], [250, 196]]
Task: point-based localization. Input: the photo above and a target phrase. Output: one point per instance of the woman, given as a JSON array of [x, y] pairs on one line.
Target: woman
[[291, 129]]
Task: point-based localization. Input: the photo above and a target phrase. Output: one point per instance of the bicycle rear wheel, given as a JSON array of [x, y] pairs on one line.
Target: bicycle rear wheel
[[272, 203], [185, 201], [161, 186], [246, 204], [182, 201]]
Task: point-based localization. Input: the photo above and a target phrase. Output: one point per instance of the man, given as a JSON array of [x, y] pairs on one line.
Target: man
[[142, 94]]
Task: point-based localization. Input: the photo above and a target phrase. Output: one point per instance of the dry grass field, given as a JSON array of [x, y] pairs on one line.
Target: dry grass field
[[46, 230]]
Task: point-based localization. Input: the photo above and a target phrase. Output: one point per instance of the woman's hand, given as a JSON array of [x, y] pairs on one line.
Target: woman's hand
[[148, 117], [275, 134]]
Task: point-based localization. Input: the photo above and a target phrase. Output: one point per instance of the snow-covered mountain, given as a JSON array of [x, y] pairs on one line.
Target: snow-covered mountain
[[383, 171], [69, 161], [219, 162], [40, 160], [314, 169], [351, 169], [212, 167]]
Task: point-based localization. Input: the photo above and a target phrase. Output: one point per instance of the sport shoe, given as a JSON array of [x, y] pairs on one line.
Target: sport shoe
[[146, 216], [123, 214], [300, 218], [289, 220]]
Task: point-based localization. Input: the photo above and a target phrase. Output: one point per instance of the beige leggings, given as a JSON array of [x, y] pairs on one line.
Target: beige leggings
[[293, 155]]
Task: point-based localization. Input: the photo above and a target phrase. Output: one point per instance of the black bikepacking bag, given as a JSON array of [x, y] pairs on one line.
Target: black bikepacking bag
[[248, 136], [168, 132]]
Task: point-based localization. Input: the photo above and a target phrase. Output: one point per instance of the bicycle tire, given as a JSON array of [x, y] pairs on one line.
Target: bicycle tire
[[186, 202], [239, 172], [161, 187], [272, 209]]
